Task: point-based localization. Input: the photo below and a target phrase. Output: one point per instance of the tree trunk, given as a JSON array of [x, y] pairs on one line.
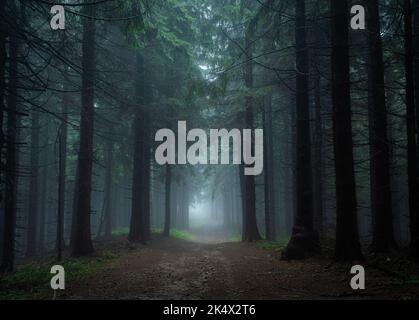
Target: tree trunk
[[290, 160], [412, 158], [185, 205], [3, 57], [166, 231], [243, 200], [108, 187], [62, 167], [61, 191], [318, 159], [136, 226], [269, 192], [44, 191], [147, 170], [381, 202], [347, 239], [415, 40], [81, 242], [304, 241], [11, 178], [251, 231], [136, 233], [174, 204], [31, 245]]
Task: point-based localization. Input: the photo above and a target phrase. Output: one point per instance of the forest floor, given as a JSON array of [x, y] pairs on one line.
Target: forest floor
[[205, 268]]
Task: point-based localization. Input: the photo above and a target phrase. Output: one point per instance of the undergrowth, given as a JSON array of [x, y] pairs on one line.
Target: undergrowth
[[31, 280]]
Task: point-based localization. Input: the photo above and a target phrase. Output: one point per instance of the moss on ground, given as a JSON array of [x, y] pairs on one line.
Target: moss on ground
[[31, 280], [273, 245]]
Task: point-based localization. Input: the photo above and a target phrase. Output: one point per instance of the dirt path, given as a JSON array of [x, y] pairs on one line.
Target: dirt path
[[178, 269]]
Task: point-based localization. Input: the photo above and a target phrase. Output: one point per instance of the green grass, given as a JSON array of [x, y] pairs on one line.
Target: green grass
[[32, 280], [175, 233], [120, 231], [273, 246], [157, 230], [263, 244], [180, 234], [236, 237], [413, 280]]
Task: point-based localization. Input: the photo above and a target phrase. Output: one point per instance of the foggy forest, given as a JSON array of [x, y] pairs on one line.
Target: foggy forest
[[111, 136]]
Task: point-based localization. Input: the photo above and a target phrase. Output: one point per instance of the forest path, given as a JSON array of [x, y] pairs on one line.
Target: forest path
[[179, 269]]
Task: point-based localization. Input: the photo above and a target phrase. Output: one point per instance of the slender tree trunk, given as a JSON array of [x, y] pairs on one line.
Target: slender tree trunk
[[251, 231], [147, 172], [108, 188], [11, 178], [81, 242], [269, 192], [266, 173], [304, 241], [347, 239], [174, 204], [31, 245], [270, 162], [381, 202], [412, 157], [243, 201], [318, 159], [290, 174], [185, 205], [44, 191], [137, 215], [62, 168], [3, 57], [136, 233], [166, 231], [415, 40], [74, 205], [61, 193]]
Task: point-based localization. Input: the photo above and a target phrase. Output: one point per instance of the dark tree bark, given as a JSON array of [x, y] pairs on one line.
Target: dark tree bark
[[3, 57], [147, 164], [185, 202], [412, 157], [318, 159], [31, 244], [251, 231], [62, 166], [81, 242], [242, 200], [415, 9], [11, 178], [61, 190], [290, 159], [225, 208], [108, 187], [137, 215], [74, 204], [44, 191], [269, 190], [168, 183], [317, 27], [62, 172], [174, 202], [304, 240], [137, 230], [381, 202], [347, 239]]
